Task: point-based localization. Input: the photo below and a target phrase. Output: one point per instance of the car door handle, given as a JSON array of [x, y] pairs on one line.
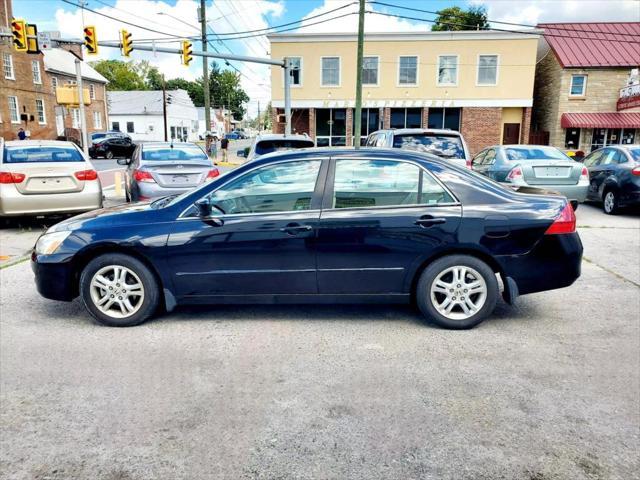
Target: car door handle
[[295, 228], [427, 221]]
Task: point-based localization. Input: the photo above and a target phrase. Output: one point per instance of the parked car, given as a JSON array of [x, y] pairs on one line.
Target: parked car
[[241, 134], [159, 169], [98, 136], [273, 142], [232, 136], [447, 144], [39, 177], [537, 166], [318, 225], [112, 147], [614, 176]]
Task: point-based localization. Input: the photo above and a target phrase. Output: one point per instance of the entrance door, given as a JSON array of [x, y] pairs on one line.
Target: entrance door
[[511, 134], [60, 121]]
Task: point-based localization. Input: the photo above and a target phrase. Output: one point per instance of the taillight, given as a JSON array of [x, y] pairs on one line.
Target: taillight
[[86, 175], [213, 173], [514, 174], [585, 174], [565, 223], [142, 176], [469, 164], [636, 170], [10, 177]]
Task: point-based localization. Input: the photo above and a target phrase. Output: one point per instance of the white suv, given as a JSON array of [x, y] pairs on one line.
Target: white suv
[[447, 144]]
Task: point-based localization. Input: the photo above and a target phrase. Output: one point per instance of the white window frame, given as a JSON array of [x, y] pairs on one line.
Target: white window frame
[[301, 71], [15, 99], [584, 85], [75, 118], [478, 84], [454, 84], [12, 71], [35, 72], [92, 91], [44, 111], [408, 85], [97, 116], [377, 84], [339, 84], [54, 84]]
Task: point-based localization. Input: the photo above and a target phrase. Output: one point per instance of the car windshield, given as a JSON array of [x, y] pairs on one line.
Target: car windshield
[[41, 154], [534, 153], [268, 146], [635, 154], [446, 146], [173, 153]]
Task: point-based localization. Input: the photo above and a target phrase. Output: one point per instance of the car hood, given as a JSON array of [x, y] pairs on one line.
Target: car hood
[[135, 213]]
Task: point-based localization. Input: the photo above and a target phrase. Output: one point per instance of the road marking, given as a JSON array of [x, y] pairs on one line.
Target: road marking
[[117, 181]]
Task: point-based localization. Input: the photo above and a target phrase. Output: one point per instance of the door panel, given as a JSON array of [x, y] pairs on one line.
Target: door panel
[[511, 134]]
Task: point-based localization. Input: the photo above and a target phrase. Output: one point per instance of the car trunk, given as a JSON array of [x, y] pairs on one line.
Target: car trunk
[[551, 172], [45, 178], [178, 175]]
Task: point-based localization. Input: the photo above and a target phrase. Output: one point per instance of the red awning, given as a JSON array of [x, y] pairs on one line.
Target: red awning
[[600, 120]]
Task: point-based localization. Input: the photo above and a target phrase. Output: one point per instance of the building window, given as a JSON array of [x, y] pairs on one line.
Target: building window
[[448, 70], [444, 118], [408, 71], [572, 138], [7, 64], [406, 118], [54, 84], [578, 85], [13, 110], [130, 128], [330, 71], [75, 118], [296, 71], [97, 121], [35, 70], [115, 126], [42, 119], [370, 71], [331, 127], [92, 91], [487, 70], [369, 123]]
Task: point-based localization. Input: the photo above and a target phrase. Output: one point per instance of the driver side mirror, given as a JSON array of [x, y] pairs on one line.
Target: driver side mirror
[[124, 161]]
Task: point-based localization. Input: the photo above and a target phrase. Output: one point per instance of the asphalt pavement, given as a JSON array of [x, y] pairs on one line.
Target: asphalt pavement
[[548, 389]]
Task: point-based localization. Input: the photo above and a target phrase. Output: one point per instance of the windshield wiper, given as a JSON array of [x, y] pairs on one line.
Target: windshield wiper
[[161, 202]]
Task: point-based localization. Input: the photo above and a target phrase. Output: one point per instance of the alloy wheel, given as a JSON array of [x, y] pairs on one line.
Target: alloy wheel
[[609, 202], [458, 292], [109, 155], [117, 291]]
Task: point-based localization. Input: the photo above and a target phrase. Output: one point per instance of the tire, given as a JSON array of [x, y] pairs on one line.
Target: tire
[[108, 155], [432, 303], [144, 300], [610, 202]]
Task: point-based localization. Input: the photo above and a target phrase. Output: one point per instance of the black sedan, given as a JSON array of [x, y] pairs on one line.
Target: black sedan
[[112, 147], [323, 226], [614, 176]]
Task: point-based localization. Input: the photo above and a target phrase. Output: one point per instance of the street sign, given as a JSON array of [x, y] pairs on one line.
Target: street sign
[[44, 40]]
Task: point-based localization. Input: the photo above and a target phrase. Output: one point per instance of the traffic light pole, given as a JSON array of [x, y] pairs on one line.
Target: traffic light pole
[[83, 119], [205, 67]]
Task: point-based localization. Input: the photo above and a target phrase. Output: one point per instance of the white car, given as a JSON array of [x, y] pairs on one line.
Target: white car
[[276, 142], [39, 177]]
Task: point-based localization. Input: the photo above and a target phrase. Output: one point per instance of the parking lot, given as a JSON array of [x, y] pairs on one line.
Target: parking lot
[[548, 389]]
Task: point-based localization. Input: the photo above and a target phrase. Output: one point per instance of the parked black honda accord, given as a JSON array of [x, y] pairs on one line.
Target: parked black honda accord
[[322, 226]]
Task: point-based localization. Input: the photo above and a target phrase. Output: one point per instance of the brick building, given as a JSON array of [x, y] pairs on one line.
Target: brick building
[[586, 95], [477, 82]]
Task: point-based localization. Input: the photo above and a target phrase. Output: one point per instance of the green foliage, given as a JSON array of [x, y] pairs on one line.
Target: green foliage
[[454, 18], [121, 75], [225, 89]]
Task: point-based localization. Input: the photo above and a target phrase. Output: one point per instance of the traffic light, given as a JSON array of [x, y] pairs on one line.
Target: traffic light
[[32, 38], [187, 54], [19, 31], [91, 40], [125, 43]]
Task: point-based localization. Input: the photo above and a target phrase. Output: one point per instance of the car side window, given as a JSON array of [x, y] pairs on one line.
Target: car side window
[[490, 157], [381, 183], [608, 157], [380, 140], [620, 157], [371, 141], [477, 160], [283, 187], [594, 159]]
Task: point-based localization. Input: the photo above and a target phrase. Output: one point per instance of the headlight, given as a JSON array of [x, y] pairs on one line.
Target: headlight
[[49, 242]]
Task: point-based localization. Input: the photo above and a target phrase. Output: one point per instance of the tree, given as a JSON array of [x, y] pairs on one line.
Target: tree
[[121, 75], [454, 18], [225, 89]]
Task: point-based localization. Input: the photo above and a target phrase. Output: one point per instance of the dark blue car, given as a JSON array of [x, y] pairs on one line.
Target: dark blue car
[[321, 226]]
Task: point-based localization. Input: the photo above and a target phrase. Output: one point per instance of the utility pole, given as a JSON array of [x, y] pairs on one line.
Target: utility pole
[[287, 96], [164, 108], [205, 66], [358, 113], [83, 119], [259, 129]]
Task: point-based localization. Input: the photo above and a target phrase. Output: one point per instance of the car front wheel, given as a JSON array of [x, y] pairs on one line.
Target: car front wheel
[[457, 291], [610, 202], [109, 154], [119, 290]]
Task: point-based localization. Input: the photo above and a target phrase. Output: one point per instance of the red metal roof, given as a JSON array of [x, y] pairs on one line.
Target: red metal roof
[[600, 120], [594, 44]]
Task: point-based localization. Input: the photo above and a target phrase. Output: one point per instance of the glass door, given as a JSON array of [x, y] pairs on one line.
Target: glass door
[[331, 127]]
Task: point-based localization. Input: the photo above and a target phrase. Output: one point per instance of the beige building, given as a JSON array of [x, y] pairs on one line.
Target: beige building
[[586, 92], [477, 82]]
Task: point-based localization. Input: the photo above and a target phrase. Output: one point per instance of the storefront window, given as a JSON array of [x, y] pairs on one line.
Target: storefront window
[[444, 118], [612, 136], [572, 138], [331, 127], [406, 118]]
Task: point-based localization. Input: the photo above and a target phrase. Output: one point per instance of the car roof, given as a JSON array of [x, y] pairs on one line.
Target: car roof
[[167, 144], [281, 136], [414, 131], [39, 143], [626, 146]]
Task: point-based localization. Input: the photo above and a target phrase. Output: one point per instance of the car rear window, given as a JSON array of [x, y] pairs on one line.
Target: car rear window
[[177, 152], [534, 153], [446, 146], [635, 154], [268, 146], [41, 154]]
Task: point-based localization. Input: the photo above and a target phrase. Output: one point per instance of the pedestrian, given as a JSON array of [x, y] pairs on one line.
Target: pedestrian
[[22, 135], [224, 145], [214, 148]]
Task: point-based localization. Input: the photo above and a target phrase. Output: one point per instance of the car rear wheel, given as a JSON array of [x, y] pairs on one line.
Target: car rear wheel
[[457, 291], [109, 154], [119, 290], [610, 202]]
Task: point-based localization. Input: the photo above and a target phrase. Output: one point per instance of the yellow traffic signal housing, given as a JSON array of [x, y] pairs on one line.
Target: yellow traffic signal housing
[[126, 45], [187, 52], [91, 40], [19, 31], [32, 38]]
